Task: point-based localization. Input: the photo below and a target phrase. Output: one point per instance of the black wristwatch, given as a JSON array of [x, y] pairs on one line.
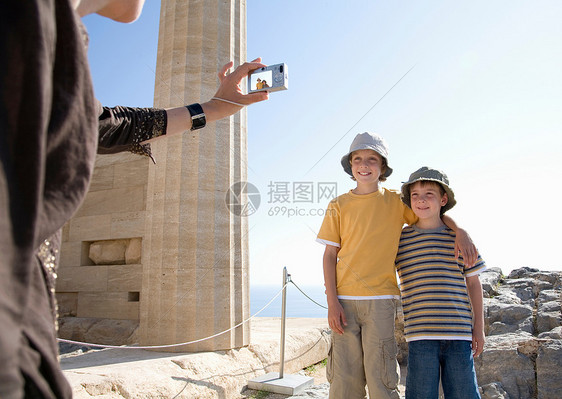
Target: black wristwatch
[[198, 120]]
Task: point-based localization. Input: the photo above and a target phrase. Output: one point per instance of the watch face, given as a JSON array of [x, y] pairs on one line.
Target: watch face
[[197, 116], [198, 121]]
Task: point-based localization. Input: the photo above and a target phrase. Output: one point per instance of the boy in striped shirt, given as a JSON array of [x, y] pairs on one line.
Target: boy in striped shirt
[[441, 298]]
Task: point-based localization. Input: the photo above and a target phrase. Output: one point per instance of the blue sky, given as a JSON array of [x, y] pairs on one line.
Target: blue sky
[[472, 88]]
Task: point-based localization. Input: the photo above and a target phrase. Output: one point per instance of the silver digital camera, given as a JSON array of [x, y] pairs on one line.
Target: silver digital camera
[[270, 78]]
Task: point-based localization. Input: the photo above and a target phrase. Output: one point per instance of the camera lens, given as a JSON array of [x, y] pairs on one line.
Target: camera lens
[[281, 69]]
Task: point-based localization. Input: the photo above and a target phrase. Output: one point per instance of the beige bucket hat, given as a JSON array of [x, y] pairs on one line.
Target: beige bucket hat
[[367, 141]]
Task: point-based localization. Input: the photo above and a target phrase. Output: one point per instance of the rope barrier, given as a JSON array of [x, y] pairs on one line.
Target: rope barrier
[[172, 345], [322, 306], [68, 341]]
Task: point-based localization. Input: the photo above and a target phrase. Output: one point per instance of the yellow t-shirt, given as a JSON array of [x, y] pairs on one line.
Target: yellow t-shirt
[[367, 229]]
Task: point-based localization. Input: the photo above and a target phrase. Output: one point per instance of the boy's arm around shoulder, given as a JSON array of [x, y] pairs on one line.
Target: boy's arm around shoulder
[[336, 316], [463, 242], [474, 288]]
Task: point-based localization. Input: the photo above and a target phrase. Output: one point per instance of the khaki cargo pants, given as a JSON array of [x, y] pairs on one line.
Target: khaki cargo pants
[[366, 352]]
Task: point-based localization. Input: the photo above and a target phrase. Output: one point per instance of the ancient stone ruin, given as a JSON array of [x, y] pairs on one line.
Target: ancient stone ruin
[[154, 255]]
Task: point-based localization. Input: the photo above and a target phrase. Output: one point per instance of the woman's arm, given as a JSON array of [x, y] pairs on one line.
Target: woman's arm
[[228, 99], [131, 129]]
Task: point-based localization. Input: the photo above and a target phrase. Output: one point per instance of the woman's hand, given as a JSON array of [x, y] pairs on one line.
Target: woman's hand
[[229, 97]]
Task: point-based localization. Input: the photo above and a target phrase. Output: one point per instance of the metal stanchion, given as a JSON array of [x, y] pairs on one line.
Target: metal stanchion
[[286, 279], [290, 384]]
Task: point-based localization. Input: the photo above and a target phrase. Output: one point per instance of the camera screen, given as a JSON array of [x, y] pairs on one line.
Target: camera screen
[[261, 80]]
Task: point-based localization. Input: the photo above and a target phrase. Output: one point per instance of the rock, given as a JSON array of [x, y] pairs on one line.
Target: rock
[[523, 288], [315, 392], [522, 357], [549, 365], [99, 331], [490, 280], [136, 373], [493, 391], [522, 272], [548, 316], [501, 318], [555, 333], [552, 278], [502, 362], [548, 296], [506, 296], [515, 362]]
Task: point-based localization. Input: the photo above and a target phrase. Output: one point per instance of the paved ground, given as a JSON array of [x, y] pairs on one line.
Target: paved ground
[[130, 372], [318, 371]]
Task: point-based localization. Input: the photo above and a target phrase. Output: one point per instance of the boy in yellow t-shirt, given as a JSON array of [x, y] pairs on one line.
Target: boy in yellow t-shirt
[[361, 230]]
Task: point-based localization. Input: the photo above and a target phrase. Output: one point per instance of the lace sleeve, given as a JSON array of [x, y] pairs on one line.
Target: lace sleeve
[[125, 128]]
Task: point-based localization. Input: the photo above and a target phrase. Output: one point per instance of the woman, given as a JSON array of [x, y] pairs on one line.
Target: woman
[[51, 127]]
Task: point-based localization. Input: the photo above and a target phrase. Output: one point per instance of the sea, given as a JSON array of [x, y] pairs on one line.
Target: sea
[[298, 305]]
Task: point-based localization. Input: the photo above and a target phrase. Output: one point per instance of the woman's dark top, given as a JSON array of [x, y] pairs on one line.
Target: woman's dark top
[[51, 127]]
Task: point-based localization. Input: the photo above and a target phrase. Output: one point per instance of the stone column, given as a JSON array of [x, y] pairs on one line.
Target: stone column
[[195, 269]]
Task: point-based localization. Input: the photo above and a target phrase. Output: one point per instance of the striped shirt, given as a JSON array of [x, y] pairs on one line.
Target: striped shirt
[[433, 287]]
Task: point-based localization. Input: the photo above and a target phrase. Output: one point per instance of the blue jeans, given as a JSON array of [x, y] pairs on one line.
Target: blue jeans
[[452, 360]]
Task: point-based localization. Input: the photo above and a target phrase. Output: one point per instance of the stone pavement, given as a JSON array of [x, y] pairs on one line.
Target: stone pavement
[[137, 373]]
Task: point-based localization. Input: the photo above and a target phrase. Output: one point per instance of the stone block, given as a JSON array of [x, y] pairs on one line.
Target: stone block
[[108, 252], [112, 159], [124, 278], [67, 303], [134, 251], [65, 232], [102, 178], [107, 305], [133, 173], [70, 254], [89, 228], [127, 224], [85, 255], [82, 278], [126, 199]]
